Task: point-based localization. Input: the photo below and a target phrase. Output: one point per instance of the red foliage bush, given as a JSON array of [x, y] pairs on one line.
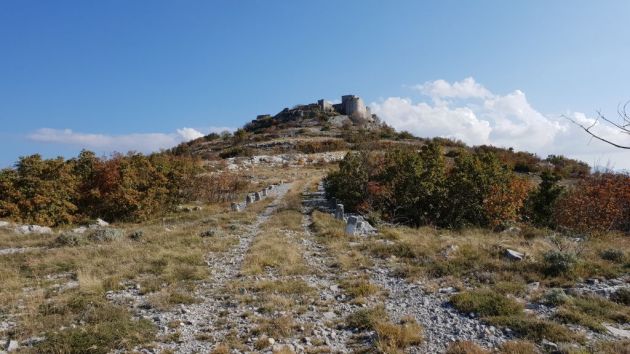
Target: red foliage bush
[[597, 203]]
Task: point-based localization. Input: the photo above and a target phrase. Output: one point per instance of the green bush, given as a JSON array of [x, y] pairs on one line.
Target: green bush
[[555, 297], [558, 263], [613, 255], [486, 302], [622, 296], [105, 235], [71, 239], [413, 187], [542, 201]]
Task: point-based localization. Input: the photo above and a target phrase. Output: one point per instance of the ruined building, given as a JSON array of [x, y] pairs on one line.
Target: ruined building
[[351, 106]]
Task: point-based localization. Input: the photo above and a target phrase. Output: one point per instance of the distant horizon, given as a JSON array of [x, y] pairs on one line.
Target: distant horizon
[[145, 76]]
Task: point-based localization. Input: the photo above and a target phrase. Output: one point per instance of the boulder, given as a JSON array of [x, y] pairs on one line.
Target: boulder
[[4, 223], [264, 192], [249, 199], [100, 222], [12, 345], [80, 230], [514, 255], [617, 332], [105, 235], [236, 207], [33, 229], [257, 196]]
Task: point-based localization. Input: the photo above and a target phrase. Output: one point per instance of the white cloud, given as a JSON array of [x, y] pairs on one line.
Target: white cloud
[[468, 111], [142, 142], [440, 89], [188, 134], [426, 120]]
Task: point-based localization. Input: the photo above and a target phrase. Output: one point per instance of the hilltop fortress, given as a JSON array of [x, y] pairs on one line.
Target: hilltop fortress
[[351, 111], [351, 106]]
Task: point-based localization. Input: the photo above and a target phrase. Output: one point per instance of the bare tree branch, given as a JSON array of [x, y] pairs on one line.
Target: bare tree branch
[[623, 125]]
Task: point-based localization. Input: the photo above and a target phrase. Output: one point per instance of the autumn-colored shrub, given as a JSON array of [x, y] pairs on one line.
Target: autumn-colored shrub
[[597, 203], [218, 187], [505, 202], [39, 191], [123, 187], [310, 147]]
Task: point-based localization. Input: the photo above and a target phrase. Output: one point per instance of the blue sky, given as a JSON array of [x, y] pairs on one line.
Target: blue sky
[[113, 75]]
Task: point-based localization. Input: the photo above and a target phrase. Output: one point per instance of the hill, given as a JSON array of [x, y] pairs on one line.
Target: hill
[[314, 230]]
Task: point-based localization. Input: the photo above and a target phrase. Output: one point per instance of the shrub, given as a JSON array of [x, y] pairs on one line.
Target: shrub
[[505, 202], [105, 235], [542, 201], [70, 239], [558, 263], [366, 319], [555, 297], [596, 204], [124, 187], [39, 191], [472, 180], [416, 188], [485, 302], [613, 255], [566, 167], [622, 296]]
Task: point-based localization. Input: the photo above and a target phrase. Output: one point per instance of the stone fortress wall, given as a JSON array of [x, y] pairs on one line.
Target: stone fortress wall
[[351, 105]]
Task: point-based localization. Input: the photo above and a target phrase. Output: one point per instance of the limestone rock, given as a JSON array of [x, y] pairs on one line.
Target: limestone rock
[[12, 345], [618, 332], [514, 255], [100, 222], [33, 229]]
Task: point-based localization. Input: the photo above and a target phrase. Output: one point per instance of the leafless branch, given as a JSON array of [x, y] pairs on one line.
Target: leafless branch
[[623, 125]]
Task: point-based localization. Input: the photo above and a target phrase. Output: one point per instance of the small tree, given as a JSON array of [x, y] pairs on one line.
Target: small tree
[[542, 201]]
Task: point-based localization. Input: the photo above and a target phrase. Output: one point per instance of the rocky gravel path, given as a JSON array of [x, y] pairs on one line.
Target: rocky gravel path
[[318, 323], [442, 324], [209, 316], [199, 327]]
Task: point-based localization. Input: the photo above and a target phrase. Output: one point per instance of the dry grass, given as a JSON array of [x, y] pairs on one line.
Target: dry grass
[[358, 288], [518, 347], [465, 347], [275, 250], [394, 338], [165, 263], [330, 232]]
